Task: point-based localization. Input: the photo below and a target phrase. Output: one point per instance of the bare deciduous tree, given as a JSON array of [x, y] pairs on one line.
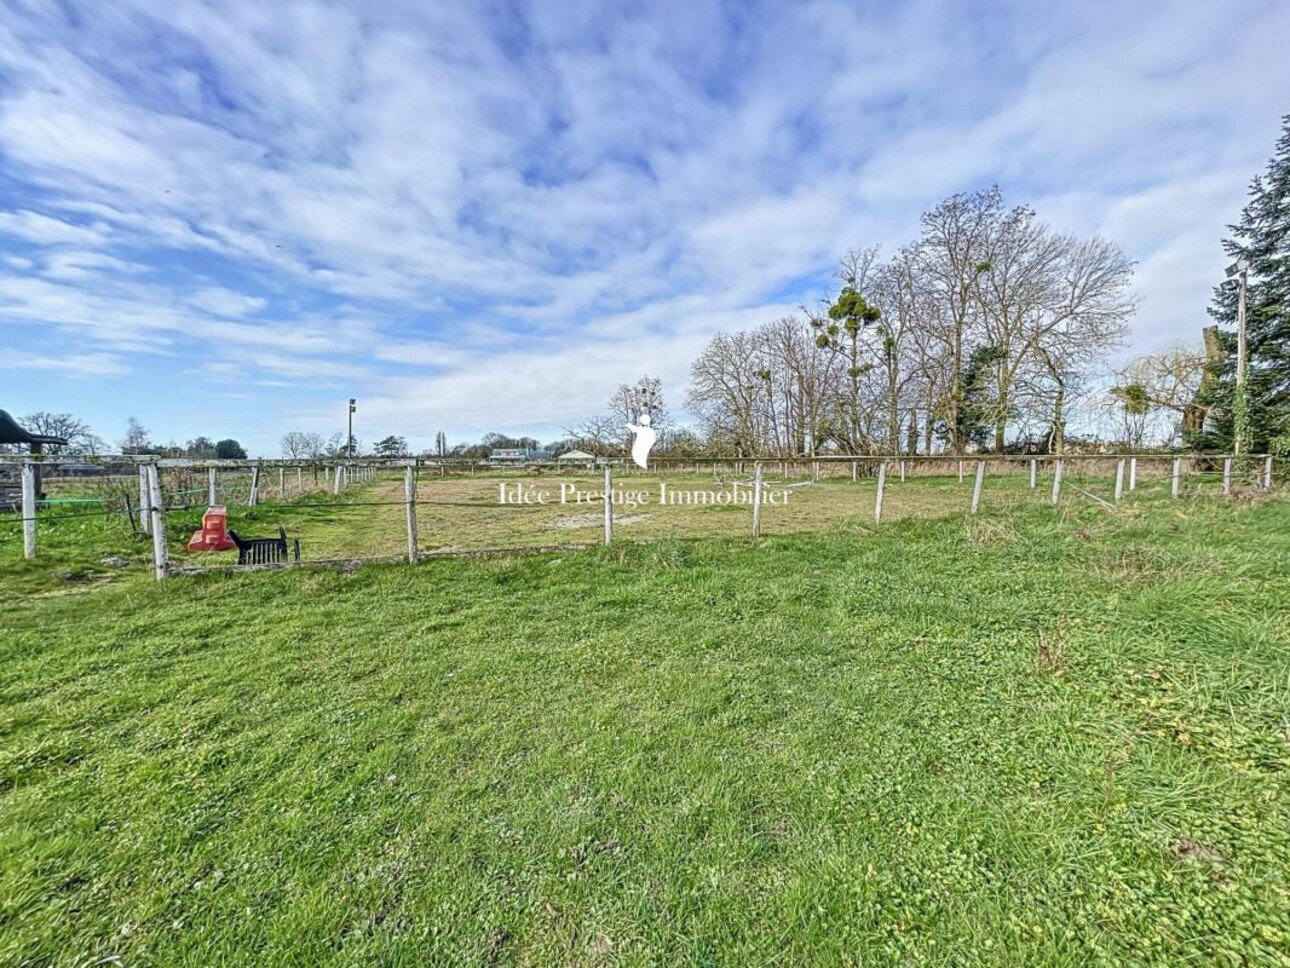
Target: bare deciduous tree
[[136, 437], [953, 251], [303, 445], [80, 438], [989, 323]]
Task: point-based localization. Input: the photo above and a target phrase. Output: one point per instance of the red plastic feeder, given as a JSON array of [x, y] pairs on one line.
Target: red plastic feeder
[[214, 533]]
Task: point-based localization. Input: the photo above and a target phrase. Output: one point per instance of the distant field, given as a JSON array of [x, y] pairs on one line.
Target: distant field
[[1034, 737], [463, 513]]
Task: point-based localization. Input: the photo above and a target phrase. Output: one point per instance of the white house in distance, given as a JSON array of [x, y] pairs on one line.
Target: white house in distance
[[576, 458]]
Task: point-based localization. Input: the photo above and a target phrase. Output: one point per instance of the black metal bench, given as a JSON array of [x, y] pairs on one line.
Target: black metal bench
[[263, 551]]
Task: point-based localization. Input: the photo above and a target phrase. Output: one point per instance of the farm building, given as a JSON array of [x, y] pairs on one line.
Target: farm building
[[516, 456], [576, 458], [12, 433]]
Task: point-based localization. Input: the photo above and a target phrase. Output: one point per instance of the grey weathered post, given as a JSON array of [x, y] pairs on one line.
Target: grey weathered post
[[853, 472], [960, 472], [1133, 473], [1119, 478], [160, 554], [254, 497], [815, 471], [1227, 476], [282, 483], [410, 490], [902, 472], [210, 486], [29, 510], [1267, 473], [1176, 484], [882, 487], [1057, 481], [145, 500], [757, 500], [1034, 472], [336, 486], [300, 479], [977, 485], [609, 505]]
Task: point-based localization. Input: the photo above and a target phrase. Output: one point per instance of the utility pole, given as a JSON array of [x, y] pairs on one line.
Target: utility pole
[[1241, 403], [349, 441]]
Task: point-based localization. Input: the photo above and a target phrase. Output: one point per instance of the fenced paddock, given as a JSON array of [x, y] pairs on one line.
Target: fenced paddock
[[344, 512]]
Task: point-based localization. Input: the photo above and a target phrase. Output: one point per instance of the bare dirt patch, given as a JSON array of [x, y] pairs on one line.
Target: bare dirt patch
[[575, 522]]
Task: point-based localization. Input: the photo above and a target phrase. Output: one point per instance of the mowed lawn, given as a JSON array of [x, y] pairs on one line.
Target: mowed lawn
[[1045, 738]]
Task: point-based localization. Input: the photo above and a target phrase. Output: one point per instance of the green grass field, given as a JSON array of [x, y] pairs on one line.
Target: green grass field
[[1040, 737]]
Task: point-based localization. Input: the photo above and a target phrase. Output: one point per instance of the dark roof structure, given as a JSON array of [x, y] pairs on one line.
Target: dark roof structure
[[12, 433]]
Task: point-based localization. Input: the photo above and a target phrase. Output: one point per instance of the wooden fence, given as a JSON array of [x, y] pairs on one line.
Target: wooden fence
[[283, 478]]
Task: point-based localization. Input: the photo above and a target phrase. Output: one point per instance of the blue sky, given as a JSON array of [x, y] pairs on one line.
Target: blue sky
[[227, 218]]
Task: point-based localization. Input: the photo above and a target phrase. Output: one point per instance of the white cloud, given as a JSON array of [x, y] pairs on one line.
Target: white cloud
[[225, 302], [43, 230], [87, 366]]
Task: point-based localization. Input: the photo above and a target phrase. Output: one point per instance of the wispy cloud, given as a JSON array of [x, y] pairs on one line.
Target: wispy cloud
[[483, 217], [88, 366]]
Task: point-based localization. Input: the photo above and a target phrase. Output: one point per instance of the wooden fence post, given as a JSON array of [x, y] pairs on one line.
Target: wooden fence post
[[882, 487], [336, 486], [609, 505], [902, 472], [960, 472], [410, 489], [853, 472], [756, 522], [253, 498], [1176, 483], [1057, 481], [300, 479], [145, 500], [1227, 476], [1267, 473], [977, 485], [815, 471], [282, 483], [1034, 472], [1119, 478], [1133, 473], [29, 498], [160, 553]]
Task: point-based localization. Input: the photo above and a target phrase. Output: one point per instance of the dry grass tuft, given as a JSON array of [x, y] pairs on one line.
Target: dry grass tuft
[[1050, 652], [990, 532], [1136, 564]]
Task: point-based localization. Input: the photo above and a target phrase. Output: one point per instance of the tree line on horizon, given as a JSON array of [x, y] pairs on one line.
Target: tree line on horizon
[[988, 332]]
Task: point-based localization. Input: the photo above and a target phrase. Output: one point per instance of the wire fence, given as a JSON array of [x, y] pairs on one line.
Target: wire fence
[[413, 509]]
